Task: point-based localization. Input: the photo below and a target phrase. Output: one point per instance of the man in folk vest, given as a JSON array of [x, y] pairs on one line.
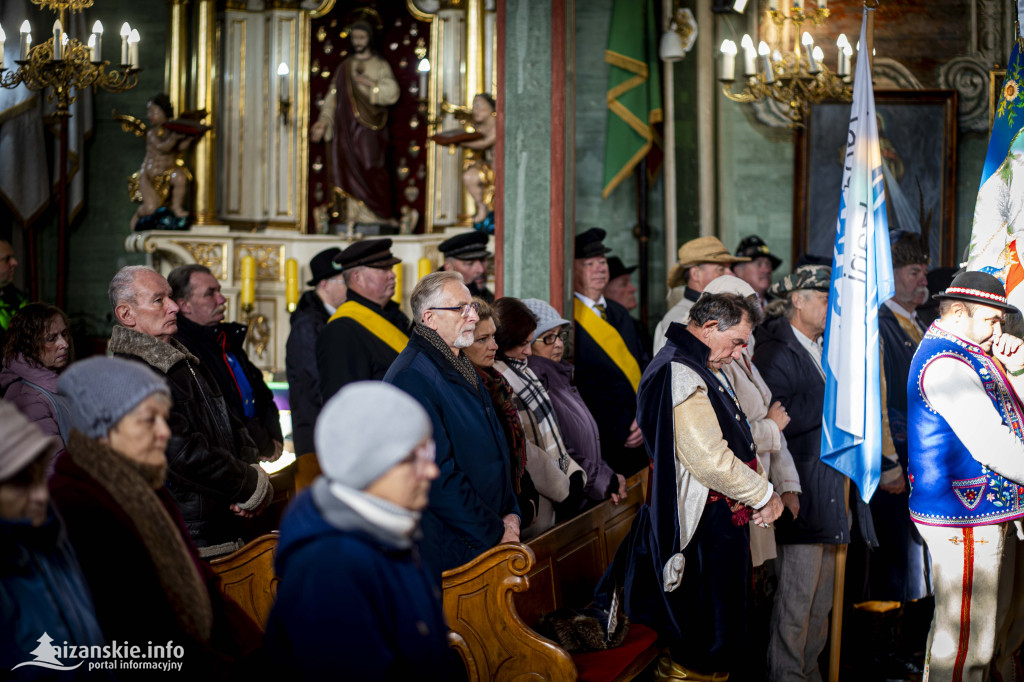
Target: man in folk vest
[[367, 331], [609, 357], [966, 456]]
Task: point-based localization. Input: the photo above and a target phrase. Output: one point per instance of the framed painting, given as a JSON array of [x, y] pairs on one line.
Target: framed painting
[[917, 135]]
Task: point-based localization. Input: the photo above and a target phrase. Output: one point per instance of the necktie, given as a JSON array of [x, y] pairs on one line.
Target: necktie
[[601, 311]]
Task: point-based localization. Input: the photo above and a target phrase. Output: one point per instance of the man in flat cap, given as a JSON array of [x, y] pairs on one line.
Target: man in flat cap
[[788, 355], [701, 260], [368, 331], [309, 319], [609, 357], [467, 255], [966, 456], [757, 272]]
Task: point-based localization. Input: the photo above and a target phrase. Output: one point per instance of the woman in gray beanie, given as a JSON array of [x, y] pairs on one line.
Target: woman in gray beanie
[[354, 601], [143, 570]]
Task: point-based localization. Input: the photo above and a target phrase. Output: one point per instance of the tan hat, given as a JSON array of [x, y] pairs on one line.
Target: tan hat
[[697, 251], [23, 441]]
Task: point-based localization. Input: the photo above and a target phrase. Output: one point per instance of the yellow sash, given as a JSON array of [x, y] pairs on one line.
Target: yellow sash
[[609, 339], [373, 323]]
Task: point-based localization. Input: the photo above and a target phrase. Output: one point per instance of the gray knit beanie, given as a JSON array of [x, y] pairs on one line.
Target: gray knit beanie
[[547, 317], [365, 429], [102, 390]]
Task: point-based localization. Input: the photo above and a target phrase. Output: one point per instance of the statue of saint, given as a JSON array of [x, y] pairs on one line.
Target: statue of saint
[[477, 135], [162, 183], [353, 122]]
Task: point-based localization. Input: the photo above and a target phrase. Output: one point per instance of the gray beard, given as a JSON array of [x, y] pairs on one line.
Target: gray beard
[[462, 341]]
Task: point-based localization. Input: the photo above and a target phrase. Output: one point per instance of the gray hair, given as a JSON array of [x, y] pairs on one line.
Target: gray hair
[[783, 307], [428, 291], [122, 286], [180, 279], [726, 309]]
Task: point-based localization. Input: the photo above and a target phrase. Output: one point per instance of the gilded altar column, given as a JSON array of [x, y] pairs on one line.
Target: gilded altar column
[[176, 60], [204, 93]]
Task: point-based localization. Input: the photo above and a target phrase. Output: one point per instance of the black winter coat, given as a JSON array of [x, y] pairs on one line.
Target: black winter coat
[[211, 458], [793, 378], [211, 345], [308, 320]]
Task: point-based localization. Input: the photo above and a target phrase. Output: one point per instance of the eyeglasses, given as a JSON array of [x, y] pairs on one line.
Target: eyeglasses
[[463, 309], [549, 339]]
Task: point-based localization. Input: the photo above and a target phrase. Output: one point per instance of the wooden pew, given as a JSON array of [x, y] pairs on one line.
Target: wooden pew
[[247, 577], [492, 602]]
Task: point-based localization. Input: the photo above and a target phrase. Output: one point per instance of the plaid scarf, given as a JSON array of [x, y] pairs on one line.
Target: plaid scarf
[[504, 402], [460, 361], [544, 431]]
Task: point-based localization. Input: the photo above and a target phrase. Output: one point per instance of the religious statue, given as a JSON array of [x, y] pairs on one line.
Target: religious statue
[[353, 122], [478, 169], [162, 183]]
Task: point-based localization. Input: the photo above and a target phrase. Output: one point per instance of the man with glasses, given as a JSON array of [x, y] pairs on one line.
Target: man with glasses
[[472, 507], [309, 319], [609, 356], [368, 331]]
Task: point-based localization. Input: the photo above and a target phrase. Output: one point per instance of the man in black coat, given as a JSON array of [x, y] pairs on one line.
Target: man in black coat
[[220, 347], [212, 469], [609, 357], [788, 354], [368, 331], [309, 319]]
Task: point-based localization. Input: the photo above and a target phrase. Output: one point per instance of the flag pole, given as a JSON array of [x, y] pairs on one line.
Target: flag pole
[[839, 579]]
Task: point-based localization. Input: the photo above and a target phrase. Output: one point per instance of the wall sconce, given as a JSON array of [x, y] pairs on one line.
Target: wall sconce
[[284, 102], [680, 36]]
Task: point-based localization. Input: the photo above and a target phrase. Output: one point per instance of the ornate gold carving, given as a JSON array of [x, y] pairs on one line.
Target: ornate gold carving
[[325, 7], [211, 254], [269, 261]]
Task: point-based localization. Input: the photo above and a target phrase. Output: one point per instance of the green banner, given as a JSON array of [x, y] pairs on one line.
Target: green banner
[[634, 90]]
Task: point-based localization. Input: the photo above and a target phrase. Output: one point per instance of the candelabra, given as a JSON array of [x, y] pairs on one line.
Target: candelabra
[[63, 66], [795, 79]]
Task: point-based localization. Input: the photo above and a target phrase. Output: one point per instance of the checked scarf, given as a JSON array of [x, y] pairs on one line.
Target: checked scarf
[[543, 430]]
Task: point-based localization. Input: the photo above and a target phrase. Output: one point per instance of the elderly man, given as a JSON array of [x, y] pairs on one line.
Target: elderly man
[[368, 331], [609, 357], [213, 473], [700, 261], [309, 319], [11, 297], [757, 272], [467, 255], [685, 566], [788, 354], [967, 478], [472, 507], [220, 347]]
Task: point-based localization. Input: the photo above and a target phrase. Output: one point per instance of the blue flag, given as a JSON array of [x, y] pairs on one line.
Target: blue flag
[[851, 433], [997, 235]]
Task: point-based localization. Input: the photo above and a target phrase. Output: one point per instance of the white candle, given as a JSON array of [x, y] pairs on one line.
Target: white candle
[[133, 48], [728, 68], [749, 56], [847, 54], [3, 37], [97, 33], [808, 41], [92, 48], [283, 91], [424, 70], [58, 47], [766, 63], [822, 4], [773, 5], [796, 4], [819, 58], [26, 40], [126, 31]]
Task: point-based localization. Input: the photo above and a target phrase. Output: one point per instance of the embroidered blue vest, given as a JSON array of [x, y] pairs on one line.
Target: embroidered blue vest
[[948, 487]]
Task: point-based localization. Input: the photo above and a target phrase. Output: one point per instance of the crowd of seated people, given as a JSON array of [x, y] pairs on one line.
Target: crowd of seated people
[[490, 422]]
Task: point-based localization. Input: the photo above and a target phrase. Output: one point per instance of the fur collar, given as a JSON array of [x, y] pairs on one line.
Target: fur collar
[[154, 352], [162, 538]]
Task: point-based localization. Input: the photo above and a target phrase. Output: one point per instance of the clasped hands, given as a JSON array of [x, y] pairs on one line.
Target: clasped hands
[[1009, 350]]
